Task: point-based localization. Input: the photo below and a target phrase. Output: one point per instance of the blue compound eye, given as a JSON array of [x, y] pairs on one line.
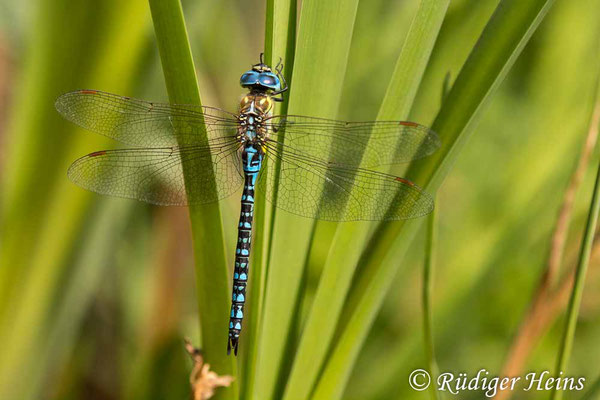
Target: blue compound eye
[[249, 78], [267, 80]]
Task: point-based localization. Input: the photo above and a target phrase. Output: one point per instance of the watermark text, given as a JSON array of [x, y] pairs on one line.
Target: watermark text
[[490, 385]]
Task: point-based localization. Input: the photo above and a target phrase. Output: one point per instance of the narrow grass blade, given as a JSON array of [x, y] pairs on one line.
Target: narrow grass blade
[[501, 42], [566, 344], [426, 292], [427, 286], [413, 60], [209, 249], [324, 34], [280, 34], [349, 238]]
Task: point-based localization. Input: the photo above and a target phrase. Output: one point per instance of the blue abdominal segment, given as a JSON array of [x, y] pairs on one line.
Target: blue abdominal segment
[[252, 160]]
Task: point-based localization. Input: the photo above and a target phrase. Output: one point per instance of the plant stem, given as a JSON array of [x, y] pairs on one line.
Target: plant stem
[[209, 249], [430, 246]]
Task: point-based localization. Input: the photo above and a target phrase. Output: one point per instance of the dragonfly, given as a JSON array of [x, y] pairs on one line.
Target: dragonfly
[[189, 154]]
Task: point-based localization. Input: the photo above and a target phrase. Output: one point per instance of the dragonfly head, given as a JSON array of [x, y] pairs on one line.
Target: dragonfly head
[[266, 80], [261, 77]]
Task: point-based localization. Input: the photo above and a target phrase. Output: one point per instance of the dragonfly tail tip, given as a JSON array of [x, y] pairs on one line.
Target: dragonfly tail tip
[[232, 343]]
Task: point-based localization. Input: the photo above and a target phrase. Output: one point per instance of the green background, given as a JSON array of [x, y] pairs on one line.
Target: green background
[[96, 294]]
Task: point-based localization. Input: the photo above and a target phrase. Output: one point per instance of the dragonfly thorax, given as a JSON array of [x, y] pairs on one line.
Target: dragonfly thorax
[[255, 109], [257, 103]]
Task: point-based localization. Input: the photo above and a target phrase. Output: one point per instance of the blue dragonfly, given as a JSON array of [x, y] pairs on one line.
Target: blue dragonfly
[[318, 165]]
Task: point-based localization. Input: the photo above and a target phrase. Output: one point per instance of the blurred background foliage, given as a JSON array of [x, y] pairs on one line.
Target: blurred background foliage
[[96, 294]]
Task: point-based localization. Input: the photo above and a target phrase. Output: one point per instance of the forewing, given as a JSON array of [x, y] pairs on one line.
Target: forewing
[[145, 124], [367, 144], [156, 176], [315, 189]]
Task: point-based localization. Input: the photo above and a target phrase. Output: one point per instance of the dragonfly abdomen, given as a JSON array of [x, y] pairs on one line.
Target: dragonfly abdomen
[[252, 160]]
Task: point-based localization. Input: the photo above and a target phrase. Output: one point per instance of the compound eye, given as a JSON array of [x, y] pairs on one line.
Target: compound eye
[[249, 78], [267, 80]]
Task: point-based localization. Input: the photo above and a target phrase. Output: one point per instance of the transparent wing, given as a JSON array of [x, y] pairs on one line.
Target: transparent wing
[[145, 124], [316, 189], [156, 175], [383, 142]]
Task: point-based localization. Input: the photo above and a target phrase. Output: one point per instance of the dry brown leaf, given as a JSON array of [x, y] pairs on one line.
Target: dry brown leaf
[[203, 381]]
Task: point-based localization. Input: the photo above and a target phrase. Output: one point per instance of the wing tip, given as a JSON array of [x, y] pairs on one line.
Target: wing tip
[[63, 101], [78, 178], [423, 205], [59, 103]]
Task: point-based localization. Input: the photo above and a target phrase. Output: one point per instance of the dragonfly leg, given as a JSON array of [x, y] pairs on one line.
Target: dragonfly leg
[[279, 71]]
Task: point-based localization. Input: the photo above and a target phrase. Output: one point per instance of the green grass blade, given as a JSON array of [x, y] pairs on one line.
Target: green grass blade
[[501, 42], [413, 60], [280, 35], [349, 238], [209, 249], [566, 344], [324, 34], [427, 289], [175, 54], [427, 286]]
